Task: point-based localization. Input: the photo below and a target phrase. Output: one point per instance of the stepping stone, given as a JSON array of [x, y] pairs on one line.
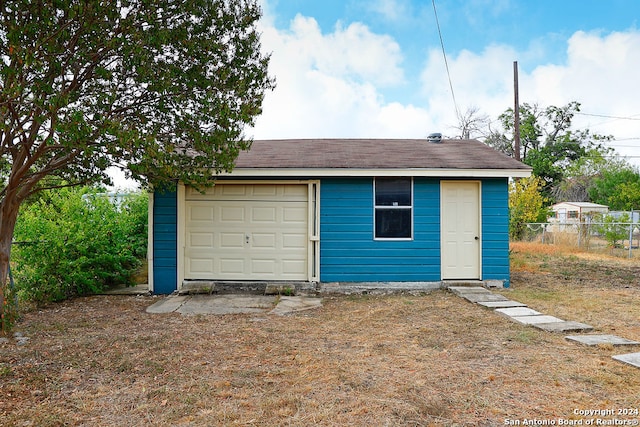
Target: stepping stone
[[517, 311], [168, 304], [227, 304], [294, 304], [501, 304], [465, 290], [632, 359], [601, 339], [535, 320], [568, 326], [480, 297]]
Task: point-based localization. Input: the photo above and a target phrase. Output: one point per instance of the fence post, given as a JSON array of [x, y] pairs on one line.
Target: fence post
[[631, 235]]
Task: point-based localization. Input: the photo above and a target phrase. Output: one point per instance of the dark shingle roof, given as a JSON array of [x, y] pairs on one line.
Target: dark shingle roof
[[374, 154]]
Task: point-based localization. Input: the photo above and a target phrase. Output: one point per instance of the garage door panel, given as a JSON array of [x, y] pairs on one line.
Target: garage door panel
[[232, 266], [200, 240], [232, 214], [295, 192], [294, 214], [294, 241], [201, 265], [264, 240], [201, 213], [263, 266], [247, 232], [264, 190], [279, 192], [264, 214], [293, 267], [231, 240]]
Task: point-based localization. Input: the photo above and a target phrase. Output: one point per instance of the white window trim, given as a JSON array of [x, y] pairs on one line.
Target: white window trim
[[375, 207]]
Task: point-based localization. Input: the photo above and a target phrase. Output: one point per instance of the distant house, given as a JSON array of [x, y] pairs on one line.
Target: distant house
[[331, 211], [576, 212]]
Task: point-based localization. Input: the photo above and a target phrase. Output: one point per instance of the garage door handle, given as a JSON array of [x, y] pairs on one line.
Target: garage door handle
[[477, 238], [246, 238]]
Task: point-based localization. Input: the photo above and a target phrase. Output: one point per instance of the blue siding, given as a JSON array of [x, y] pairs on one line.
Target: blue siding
[[495, 230], [348, 252], [165, 232]]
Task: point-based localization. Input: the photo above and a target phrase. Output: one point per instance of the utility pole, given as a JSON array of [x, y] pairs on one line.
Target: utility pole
[[516, 113]]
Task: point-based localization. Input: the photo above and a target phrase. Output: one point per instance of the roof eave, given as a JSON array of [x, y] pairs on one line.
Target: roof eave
[[351, 172]]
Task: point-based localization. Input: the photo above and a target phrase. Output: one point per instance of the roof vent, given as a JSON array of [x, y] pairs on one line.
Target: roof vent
[[435, 137]]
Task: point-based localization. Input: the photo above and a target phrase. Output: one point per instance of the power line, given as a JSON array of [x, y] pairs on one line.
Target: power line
[[446, 64], [611, 117]]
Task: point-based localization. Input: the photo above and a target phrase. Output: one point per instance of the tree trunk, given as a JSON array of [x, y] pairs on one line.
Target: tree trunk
[[8, 215]]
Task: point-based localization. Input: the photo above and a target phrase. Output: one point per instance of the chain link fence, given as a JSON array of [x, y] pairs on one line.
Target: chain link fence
[[615, 238]]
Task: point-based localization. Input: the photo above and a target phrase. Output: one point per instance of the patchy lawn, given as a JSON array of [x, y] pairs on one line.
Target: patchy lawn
[[406, 360]]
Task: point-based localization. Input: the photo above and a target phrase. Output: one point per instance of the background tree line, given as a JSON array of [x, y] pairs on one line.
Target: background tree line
[[572, 165]]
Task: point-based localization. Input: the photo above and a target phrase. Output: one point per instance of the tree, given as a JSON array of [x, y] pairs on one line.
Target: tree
[[161, 89], [613, 229], [617, 187], [548, 143], [526, 204], [472, 122], [580, 175]]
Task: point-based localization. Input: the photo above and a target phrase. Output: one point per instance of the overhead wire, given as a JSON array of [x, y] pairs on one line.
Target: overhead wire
[[634, 117], [446, 63]]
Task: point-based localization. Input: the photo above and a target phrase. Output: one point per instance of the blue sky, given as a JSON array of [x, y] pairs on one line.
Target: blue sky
[[374, 68]]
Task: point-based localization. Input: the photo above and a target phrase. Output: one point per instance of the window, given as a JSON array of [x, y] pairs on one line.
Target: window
[[393, 207]]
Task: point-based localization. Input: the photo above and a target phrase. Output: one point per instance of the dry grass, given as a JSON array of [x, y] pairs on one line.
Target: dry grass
[[358, 361]]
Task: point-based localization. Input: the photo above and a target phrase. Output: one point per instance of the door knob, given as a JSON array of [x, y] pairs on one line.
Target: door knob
[[477, 238]]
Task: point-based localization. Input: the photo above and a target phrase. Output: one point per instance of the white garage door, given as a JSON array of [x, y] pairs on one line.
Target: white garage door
[[247, 232]]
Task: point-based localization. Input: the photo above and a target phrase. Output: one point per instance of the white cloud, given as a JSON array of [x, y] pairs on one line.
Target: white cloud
[[391, 10], [329, 85], [338, 84], [482, 80], [601, 74]]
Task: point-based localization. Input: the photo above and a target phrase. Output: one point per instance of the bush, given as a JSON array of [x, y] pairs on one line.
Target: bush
[[76, 241], [612, 229], [526, 205]]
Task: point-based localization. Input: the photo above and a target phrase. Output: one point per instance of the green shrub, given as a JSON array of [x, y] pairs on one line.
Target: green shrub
[[612, 229], [76, 241]]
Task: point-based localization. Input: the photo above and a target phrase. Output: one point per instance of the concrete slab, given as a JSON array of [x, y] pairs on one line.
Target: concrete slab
[[533, 320], [227, 304], [233, 304], [632, 359], [480, 297], [563, 326], [592, 340], [376, 288], [141, 289], [168, 304], [464, 290], [295, 304], [501, 304], [517, 311]]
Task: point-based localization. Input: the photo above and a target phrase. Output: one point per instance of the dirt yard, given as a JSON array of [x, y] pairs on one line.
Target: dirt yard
[[401, 360]]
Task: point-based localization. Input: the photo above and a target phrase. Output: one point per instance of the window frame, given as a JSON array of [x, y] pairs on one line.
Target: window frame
[[409, 208]]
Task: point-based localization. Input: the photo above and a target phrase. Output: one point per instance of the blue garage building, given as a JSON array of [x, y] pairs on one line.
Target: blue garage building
[[318, 211]]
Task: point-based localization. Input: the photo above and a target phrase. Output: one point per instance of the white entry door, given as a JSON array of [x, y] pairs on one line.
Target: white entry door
[[460, 230], [247, 232]]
